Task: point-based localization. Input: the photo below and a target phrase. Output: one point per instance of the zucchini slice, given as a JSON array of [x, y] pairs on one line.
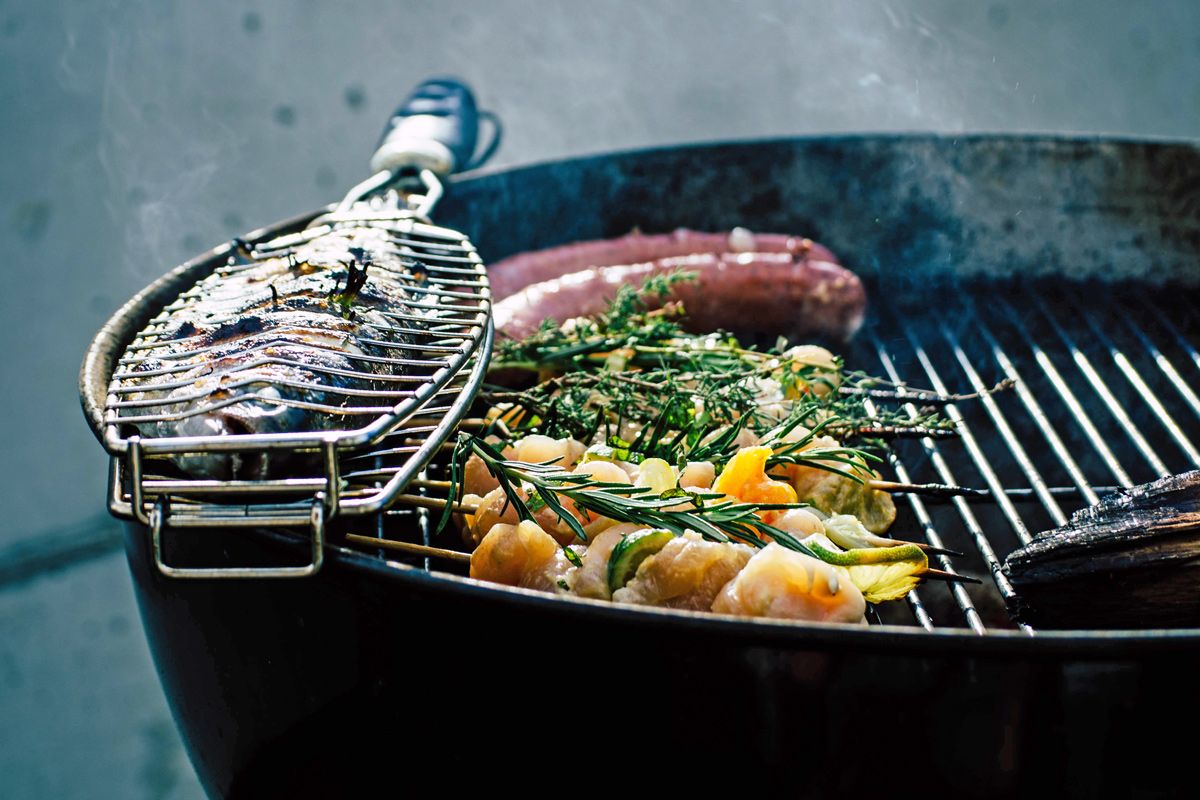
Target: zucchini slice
[[631, 551]]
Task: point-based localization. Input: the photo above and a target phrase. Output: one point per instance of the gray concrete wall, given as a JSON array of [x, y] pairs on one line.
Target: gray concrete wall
[[137, 133]]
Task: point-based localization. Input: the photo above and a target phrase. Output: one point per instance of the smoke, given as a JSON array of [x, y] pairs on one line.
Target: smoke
[[161, 146]]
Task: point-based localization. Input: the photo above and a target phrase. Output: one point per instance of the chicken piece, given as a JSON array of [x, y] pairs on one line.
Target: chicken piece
[[687, 573], [800, 522], [521, 555], [823, 377], [591, 580], [494, 509], [836, 494], [698, 475], [538, 449], [784, 584]]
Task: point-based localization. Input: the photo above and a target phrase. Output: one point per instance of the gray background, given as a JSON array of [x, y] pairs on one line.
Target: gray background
[[138, 133]]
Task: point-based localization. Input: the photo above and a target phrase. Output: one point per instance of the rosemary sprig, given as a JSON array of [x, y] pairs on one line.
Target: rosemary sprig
[[721, 521]]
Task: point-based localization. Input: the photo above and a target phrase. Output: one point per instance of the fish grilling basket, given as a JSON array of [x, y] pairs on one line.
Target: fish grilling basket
[[394, 382], [1066, 266]]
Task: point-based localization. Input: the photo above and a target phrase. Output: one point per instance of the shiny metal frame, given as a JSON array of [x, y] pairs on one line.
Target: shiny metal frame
[[362, 469]]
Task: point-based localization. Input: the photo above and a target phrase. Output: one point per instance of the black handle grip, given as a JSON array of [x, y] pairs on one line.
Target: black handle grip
[[436, 128]]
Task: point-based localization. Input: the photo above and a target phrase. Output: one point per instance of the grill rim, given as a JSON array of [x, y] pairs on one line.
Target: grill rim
[[1097, 644]]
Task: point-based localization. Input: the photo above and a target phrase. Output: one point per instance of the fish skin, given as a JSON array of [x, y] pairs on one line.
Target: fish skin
[[280, 308]]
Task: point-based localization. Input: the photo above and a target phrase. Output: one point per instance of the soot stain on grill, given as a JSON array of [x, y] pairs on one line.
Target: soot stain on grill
[[191, 243], [233, 220]]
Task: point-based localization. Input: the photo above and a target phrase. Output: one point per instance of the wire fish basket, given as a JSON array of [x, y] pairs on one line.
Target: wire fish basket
[[266, 392]]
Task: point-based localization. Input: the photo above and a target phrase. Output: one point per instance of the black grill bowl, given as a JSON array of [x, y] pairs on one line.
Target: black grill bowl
[[377, 675]]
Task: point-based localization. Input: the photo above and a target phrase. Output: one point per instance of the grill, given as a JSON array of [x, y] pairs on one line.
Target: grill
[[1033, 448], [1085, 301]]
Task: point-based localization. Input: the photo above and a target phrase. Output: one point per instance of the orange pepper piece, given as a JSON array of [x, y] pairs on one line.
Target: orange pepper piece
[[745, 478]]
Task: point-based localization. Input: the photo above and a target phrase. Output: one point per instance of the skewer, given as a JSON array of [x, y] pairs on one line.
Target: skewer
[[895, 432], [948, 577], [922, 395], [935, 489], [436, 503], [931, 550], [894, 487], [408, 547], [471, 508]]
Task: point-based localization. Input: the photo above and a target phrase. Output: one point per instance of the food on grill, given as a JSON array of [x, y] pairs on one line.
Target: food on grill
[[1131, 561], [514, 273], [292, 343], [785, 584], [662, 463], [734, 291], [687, 572], [742, 280]]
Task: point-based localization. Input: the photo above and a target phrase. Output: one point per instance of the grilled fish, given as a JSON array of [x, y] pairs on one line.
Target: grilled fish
[[1132, 560], [297, 342]]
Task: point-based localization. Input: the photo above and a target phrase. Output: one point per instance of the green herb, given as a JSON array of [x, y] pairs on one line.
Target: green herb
[[718, 521], [355, 280]]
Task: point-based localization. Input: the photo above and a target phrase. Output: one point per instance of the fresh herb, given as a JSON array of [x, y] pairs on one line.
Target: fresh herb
[[711, 515], [633, 368], [355, 280]]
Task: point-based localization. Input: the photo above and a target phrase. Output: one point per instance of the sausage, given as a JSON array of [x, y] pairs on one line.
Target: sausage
[[759, 292], [514, 273]]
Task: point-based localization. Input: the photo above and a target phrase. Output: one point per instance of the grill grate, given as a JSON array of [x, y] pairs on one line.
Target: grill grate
[[1102, 399]]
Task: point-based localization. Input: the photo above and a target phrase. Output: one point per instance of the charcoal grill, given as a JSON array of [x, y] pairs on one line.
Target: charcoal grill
[[1068, 265]]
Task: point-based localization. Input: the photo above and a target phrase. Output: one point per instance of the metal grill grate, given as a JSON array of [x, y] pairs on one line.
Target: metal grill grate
[[1103, 398]]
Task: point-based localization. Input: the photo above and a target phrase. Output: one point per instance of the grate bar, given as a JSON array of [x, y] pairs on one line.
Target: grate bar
[[1068, 397], [970, 521], [1166, 367], [1171, 329], [1006, 433], [969, 440], [1040, 418], [1106, 396], [931, 535], [1147, 394]]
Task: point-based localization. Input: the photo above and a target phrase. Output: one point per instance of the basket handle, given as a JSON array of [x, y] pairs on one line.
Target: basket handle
[[437, 129]]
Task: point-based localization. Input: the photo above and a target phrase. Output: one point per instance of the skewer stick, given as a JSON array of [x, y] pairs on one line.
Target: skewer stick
[[408, 547], [922, 395], [436, 503], [931, 550], [422, 483], [936, 489], [949, 577], [895, 432]]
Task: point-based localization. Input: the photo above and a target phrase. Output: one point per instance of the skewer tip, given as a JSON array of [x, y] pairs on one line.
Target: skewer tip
[[949, 577]]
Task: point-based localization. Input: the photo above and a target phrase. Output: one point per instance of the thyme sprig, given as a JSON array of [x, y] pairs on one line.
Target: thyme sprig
[[635, 365]]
